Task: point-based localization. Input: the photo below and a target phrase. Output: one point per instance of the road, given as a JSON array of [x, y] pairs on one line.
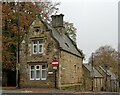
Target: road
[[15, 92]]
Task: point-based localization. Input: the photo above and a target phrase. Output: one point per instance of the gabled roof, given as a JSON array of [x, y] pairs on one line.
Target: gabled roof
[[113, 76], [65, 42], [104, 70], [95, 72]]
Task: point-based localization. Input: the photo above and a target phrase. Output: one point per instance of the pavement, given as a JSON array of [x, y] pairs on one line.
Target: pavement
[[49, 91], [33, 90]]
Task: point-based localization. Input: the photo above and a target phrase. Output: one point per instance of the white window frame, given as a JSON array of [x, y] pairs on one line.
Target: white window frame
[[32, 70], [35, 44], [42, 71], [39, 48], [36, 72], [38, 44]]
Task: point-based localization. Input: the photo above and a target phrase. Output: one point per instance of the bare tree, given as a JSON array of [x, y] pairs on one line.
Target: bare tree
[[70, 30], [106, 55]]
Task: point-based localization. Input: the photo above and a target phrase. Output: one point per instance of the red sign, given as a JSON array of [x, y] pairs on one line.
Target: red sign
[[54, 63]]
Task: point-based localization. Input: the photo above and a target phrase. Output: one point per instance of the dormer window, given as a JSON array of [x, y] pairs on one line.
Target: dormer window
[[66, 44], [37, 47]]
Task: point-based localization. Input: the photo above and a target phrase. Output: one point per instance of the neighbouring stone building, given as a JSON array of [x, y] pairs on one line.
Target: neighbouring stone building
[[92, 79], [111, 82], [43, 43], [114, 83]]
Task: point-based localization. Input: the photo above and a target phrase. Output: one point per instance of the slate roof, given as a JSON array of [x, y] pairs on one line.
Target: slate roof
[[95, 72], [104, 70], [65, 42], [113, 76]]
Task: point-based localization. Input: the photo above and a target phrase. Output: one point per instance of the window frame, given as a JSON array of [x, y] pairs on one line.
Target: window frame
[[40, 69], [35, 44], [38, 44], [36, 72], [42, 50], [32, 70], [42, 73]]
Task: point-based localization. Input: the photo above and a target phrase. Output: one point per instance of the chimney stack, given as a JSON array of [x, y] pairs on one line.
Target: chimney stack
[[57, 20]]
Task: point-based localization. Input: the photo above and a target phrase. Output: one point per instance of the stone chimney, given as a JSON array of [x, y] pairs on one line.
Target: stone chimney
[[57, 22]]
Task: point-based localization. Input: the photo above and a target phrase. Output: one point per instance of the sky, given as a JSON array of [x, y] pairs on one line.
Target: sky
[[96, 22]]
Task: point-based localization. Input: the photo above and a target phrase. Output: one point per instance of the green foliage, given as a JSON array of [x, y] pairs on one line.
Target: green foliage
[[28, 11]]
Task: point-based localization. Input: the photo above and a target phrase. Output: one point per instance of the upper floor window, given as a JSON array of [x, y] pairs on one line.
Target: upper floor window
[[37, 47]]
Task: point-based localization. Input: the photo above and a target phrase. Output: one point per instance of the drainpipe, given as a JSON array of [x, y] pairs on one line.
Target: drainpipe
[[59, 71]]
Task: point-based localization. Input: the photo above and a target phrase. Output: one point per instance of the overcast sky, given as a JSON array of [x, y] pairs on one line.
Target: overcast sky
[[96, 22]]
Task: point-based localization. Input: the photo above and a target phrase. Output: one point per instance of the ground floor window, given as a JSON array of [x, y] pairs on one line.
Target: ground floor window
[[37, 72]]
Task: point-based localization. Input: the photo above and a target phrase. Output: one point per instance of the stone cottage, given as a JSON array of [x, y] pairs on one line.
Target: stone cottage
[[92, 79], [114, 83], [110, 79], [42, 44]]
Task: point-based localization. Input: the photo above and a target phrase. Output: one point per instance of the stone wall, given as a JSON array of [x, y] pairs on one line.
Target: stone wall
[[98, 84], [87, 83], [106, 83], [27, 57], [70, 67]]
